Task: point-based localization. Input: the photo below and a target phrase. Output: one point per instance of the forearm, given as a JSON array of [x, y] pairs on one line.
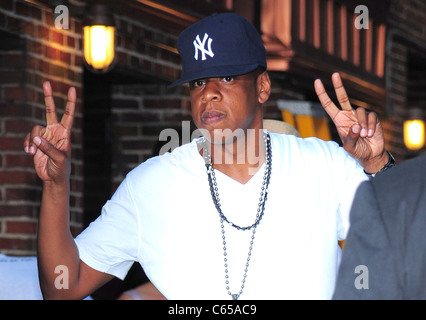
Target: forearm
[[57, 252]]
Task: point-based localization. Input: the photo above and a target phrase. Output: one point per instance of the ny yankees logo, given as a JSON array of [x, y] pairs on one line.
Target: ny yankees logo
[[201, 46]]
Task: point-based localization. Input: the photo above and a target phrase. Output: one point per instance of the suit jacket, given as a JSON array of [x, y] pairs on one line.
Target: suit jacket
[[385, 251]]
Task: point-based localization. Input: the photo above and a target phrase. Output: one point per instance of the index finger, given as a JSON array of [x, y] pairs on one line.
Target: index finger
[[325, 100], [341, 94], [51, 117], [68, 117]]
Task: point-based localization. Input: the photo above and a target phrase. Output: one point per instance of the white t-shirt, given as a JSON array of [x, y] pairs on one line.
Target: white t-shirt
[[163, 216], [19, 278]]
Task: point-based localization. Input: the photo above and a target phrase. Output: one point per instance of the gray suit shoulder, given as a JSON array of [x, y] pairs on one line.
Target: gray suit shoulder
[[405, 178]]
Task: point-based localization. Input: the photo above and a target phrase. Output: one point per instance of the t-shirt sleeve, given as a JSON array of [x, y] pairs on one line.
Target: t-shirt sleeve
[[110, 244]]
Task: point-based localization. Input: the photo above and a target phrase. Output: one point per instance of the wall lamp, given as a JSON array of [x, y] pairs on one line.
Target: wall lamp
[[98, 31], [414, 130]]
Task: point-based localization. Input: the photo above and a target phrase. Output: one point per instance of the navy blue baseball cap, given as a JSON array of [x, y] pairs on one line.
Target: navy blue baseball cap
[[220, 45]]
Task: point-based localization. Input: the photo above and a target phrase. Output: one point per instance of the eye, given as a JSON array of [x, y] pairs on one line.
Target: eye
[[197, 83], [228, 78]]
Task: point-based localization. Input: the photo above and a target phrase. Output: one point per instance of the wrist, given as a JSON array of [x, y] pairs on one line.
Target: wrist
[[53, 187], [385, 162], [54, 201]]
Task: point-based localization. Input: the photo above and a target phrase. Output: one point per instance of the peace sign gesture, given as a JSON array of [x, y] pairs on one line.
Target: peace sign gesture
[[359, 130], [51, 145]]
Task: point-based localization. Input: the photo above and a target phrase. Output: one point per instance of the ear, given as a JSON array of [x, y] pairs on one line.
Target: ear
[[263, 87]]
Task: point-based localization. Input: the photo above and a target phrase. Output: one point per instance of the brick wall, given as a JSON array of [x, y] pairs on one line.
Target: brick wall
[[140, 110], [406, 40], [140, 113], [32, 51]]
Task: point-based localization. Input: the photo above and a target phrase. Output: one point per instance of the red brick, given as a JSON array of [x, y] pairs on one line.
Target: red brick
[[10, 77], [23, 9], [35, 46], [78, 61], [21, 160], [15, 211], [17, 244], [22, 227], [18, 125], [15, 93], [14, 110], [43, 32], [19, 93], [56, 37], [47, 17], [28, 28], [70, 41], [17, 60], [44, 66], [32, 64], [56, 70], [36, 13], [11, 143], [52, 53], [13, 194], [65, 57], [77, 26], [14, 24], [13, 177]]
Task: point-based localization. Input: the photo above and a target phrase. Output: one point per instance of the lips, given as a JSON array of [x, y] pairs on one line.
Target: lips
[[212, 117]]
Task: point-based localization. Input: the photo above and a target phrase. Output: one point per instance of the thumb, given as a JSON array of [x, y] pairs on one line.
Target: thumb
[[48, 149], [350, 141]]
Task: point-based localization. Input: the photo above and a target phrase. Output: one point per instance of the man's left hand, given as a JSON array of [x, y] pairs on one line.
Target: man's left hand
[[359, 130]]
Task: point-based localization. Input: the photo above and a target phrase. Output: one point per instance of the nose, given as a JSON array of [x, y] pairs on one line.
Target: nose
[[211, 91]]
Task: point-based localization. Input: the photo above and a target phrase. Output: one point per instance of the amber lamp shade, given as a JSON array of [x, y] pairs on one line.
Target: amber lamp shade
[[414, 131], [99, 39]]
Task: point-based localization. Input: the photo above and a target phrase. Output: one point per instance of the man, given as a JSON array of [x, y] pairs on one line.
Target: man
[[193, 218], [385, 252]]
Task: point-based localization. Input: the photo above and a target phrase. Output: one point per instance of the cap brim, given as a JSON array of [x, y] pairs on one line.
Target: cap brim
[[217, 71]]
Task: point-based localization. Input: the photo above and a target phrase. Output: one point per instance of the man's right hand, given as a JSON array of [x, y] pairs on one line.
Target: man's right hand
[[51, 145]]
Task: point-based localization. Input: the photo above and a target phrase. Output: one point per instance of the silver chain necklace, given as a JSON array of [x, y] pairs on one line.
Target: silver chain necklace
[[260, 210]]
